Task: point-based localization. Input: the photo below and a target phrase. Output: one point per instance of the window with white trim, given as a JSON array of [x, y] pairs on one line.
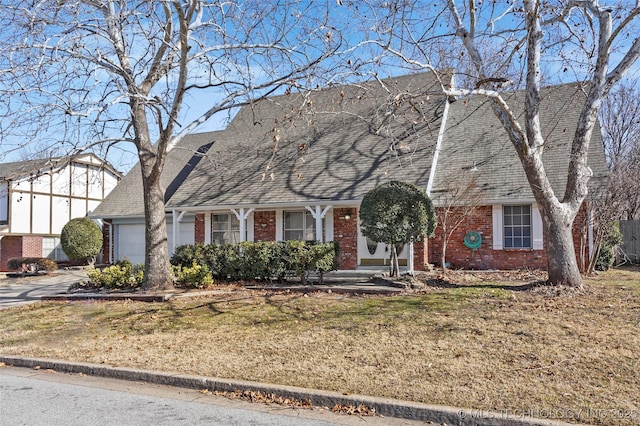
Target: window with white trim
[[52, 248], [299, 225], [517, 226], [225, 228]]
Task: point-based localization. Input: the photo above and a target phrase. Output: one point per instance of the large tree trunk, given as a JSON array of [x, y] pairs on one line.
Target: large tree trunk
[[562, 265], [157, 274]]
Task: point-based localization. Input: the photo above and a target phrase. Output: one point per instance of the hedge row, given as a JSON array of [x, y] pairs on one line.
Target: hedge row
[[261, 260], [32, 264]]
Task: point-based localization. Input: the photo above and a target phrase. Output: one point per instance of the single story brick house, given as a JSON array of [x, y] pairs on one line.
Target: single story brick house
[[38, 197], [296, 166]]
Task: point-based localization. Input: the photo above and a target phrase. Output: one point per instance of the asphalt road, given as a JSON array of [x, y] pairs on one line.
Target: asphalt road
[[22, 291], [39, 397]]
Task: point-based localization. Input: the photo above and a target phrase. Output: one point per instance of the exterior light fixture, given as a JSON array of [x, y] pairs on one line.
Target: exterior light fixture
[[347, 214]]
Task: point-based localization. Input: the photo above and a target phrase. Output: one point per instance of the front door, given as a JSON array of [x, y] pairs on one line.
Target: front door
[[371, 253]]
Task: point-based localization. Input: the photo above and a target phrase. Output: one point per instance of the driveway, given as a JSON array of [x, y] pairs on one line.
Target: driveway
[[22, 291]]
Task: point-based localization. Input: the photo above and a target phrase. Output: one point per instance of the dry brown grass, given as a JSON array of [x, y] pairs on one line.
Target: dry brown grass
[[469, 343]]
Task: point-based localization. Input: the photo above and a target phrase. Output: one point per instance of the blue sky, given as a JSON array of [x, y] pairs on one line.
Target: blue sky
[[367, 27]]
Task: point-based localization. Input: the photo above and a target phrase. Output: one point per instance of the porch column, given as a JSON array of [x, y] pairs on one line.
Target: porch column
[[410, 260], [177, 218], [318, 214], [242, 216]]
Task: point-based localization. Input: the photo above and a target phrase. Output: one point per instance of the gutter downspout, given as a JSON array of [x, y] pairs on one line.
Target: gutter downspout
[[177, 218], [110, 248], [432, 172]]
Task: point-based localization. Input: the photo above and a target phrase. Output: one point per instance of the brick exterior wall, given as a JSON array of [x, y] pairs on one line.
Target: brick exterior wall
[[345, 232], [106, 241], [459, 256], [199, 229], [421, 255], [10, 247], [264, 226], [19, 246]]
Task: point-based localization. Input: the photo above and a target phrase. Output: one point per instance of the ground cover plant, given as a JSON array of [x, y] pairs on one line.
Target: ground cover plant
[[469, 341]]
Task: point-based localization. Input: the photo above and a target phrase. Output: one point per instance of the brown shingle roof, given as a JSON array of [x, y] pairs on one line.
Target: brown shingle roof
[[475, 136], [336, 144]]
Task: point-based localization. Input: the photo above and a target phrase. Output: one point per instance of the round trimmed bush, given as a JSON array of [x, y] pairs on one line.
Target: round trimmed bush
[[81, 239]]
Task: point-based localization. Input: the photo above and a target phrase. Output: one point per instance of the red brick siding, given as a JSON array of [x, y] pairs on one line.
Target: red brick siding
[[31, 246], [106, 241], [459, 256], [264, 226], [10, 247], [19, 246], [421, 255], [345, 232], [199, 229]]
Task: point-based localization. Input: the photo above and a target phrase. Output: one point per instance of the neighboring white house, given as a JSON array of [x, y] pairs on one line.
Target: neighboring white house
[[38, 197]]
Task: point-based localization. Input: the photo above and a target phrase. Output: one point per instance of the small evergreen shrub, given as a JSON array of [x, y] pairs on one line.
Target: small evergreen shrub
[[81, 239], [32, 264], [608, 246], [121, 276], [194, 276]]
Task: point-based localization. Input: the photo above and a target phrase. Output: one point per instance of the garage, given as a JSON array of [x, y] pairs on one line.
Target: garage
[[129, 238]]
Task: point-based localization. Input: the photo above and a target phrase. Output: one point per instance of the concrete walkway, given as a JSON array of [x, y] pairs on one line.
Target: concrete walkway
[[24, 290]]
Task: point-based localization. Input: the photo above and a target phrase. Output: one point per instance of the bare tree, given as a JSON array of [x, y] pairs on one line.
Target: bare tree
[[456, 202], [620, 121], [502, 45], [88, 73]]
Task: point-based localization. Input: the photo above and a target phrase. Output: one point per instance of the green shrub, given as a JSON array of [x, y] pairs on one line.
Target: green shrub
[[32, 264], [194, 276], [81, 239], [260, 260], [122, 276], [610, 242], [325, 258], [188, 253]]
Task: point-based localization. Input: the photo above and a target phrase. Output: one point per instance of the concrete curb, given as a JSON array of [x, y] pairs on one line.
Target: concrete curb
[[383, 406]]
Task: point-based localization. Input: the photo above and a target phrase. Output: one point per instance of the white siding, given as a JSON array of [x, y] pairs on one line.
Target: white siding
[[59, 214], [95, 183], [78, 207], [41, 214], [61, 181], [498, 228], [79, 180], [4, 201], [22, 185], [20, 212], [42, 184], [536, 228], [186, 235]]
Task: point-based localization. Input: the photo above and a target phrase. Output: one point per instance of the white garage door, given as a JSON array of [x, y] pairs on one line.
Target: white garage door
[[131, 240], [130, 243]]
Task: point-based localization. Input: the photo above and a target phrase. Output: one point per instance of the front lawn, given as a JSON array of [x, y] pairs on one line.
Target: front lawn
[[472, 344]]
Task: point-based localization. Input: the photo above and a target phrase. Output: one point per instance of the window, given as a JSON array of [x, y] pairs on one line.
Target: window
[[517, 226], [52, 248], [299, 226], [225, 229]]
